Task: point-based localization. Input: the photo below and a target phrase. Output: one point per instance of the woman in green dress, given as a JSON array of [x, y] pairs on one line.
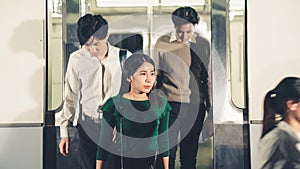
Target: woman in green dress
[[140, 116]]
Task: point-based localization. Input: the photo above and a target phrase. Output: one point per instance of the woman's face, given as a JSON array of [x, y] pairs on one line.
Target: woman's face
[[294, 109], [297, 111], [143, 79]]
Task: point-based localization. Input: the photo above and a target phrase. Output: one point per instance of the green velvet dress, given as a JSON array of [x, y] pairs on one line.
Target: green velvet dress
[[142, 128]]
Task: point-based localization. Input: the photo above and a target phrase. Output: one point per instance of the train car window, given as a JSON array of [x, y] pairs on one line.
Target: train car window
[[55, 55], [237, 53], [132, 42], [118, 3]]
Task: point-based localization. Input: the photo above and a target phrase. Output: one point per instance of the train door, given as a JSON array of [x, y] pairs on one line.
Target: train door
[[136, 25], [231, 148]]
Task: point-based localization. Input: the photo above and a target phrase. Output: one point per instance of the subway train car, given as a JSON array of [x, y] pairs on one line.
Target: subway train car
[[254, 44]]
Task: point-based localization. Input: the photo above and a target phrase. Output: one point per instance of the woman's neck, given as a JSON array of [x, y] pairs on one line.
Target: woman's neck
[[136, 96], [294, 124]]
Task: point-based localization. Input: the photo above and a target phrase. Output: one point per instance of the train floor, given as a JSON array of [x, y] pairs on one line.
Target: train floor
[[204, 158]]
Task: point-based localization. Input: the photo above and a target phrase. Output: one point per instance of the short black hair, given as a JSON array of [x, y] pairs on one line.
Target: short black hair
[[91, 25], [185, 15]]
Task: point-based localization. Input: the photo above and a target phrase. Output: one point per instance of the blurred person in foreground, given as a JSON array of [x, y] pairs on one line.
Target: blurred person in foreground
[[280, 144]]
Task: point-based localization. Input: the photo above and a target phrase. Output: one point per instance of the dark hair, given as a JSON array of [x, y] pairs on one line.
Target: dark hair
[[130, 67], [91, 25], [276, 99], [184, 15]]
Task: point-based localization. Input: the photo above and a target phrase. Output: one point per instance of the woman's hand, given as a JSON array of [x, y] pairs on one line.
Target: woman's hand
[[166, 162], [114, 140], [99, 164]]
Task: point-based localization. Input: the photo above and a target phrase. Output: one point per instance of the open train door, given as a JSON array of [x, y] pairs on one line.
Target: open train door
[[230, 113]]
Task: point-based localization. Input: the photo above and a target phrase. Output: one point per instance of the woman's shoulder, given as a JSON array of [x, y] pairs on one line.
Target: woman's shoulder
[[269, 145], [163, 99], [274, 138], [110, 103], [164, 104]]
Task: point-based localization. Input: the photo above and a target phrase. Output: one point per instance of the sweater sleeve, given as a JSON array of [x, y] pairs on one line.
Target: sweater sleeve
[[107, 124]]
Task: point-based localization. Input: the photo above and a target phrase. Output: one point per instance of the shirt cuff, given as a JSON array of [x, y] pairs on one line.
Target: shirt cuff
[[63, 132]]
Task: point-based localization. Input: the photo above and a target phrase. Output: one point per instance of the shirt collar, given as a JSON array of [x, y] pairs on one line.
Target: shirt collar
[[109, 48], [85, 52], [191, 40]]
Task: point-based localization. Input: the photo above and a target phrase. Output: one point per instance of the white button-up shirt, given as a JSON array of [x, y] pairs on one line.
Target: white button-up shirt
[[89, 83]]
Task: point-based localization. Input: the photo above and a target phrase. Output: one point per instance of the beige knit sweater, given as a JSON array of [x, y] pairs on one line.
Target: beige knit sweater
[[173, 60]]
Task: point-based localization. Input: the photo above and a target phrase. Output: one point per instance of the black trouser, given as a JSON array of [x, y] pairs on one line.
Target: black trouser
[[129, 163], [188, 120], [88, 132]]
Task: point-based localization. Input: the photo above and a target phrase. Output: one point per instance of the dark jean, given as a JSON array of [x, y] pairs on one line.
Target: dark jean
[[88, 131], [129, 163], [188, 120]]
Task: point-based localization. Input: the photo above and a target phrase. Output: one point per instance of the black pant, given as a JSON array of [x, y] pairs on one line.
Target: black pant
[[129, 163], [88, 131], [188, 120]]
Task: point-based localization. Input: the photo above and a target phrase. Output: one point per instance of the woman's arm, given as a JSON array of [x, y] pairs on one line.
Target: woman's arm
[[166, 162], [163, 137], [99, 164], [105, 137]]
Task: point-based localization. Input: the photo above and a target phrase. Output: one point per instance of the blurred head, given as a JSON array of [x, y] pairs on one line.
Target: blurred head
[[91, 25], [283, 101], [184, 20], [92, 32], [138, 74]]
